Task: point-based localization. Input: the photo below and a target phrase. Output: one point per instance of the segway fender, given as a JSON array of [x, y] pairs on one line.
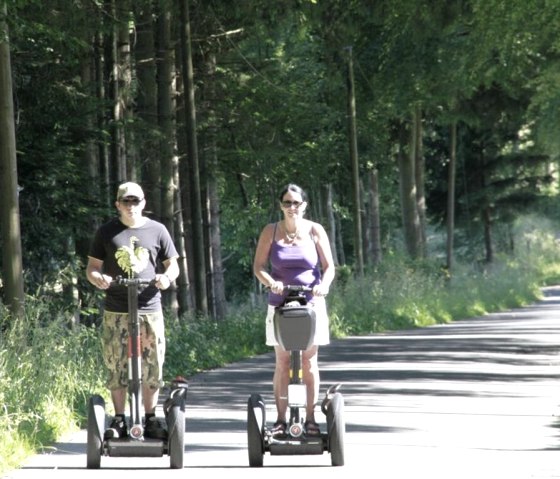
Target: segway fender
[[328, 396], [98, 404], [178, 396]]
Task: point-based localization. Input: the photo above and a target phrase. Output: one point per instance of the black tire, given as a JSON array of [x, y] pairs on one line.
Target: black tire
[[95, 431], [255, 430], [176, 437], [336, 429]]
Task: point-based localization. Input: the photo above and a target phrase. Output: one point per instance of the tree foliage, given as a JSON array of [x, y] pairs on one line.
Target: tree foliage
[[270, 97]]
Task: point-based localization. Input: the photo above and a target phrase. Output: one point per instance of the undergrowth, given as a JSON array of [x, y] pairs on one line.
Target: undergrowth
[[49, 366]]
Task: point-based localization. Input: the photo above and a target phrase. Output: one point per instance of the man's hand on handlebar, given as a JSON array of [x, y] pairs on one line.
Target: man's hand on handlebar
[[162, 281], [101, 281]]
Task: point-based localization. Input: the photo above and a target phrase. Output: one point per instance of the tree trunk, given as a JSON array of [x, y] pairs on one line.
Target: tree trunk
[[375, 218], [410, 219], [103, 150], [419, 172], [358, 246], [12, 264], [331, 221], [199, 274], [339, 242], [147, 108], [183, 221], [91, 156], [120, 78], [176, 298], [451, 196], [487, 221], [485, 207], [217, 269]]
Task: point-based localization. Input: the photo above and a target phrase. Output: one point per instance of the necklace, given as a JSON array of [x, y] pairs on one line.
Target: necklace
[[291, 236]]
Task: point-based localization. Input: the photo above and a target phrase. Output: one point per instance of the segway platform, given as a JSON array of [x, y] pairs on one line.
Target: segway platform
[[302, 446], [138, 446], [127, 447]]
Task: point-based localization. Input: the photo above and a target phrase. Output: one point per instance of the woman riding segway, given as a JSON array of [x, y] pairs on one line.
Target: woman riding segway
[[295, 251]]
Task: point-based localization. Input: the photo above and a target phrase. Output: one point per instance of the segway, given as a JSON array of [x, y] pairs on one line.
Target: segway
[[294, 327], [136, 445]]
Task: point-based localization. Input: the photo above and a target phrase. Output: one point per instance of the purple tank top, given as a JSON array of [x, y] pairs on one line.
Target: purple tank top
[[298, 264]]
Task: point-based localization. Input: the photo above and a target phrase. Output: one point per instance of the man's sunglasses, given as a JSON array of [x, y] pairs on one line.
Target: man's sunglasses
[[288, 204], [131, 201]]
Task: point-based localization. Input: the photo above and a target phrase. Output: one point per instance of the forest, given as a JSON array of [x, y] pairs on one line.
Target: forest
[[425, 133], [418, 127]]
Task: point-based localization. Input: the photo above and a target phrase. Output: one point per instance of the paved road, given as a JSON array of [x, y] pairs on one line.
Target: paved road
[[478, 398]]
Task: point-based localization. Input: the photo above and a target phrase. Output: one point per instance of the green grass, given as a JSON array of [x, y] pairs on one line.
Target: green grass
[[49, 366], [47, 369]]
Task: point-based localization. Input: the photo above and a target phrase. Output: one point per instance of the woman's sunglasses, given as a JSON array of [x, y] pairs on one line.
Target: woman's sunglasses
[[288, 204]]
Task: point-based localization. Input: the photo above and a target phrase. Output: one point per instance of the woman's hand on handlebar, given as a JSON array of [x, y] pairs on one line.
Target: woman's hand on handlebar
[[320, 290], [277, 287]]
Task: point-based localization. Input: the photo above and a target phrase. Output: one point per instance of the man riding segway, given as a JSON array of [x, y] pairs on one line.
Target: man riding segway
[[133, 246]]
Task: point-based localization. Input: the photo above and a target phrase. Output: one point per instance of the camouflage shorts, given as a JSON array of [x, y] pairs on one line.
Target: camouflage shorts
[[115, 348]]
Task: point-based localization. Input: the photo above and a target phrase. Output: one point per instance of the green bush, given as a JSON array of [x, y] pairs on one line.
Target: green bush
[[48, 367], [198, 344]]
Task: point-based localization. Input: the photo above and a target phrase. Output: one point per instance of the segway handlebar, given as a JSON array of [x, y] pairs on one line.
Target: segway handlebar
[[119, 280], [297, 287]]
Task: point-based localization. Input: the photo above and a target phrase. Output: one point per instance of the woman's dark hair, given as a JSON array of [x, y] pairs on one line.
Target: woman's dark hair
[[296, 189]]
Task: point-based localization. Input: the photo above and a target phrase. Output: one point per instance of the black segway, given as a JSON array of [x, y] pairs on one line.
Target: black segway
[[294, 327], [136, 445]]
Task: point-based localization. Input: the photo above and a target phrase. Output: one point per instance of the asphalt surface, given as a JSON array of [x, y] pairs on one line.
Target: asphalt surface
[[478, 398]]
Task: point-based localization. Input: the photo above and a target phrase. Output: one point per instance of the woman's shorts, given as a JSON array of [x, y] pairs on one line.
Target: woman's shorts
[[322, 335], [115, 348]]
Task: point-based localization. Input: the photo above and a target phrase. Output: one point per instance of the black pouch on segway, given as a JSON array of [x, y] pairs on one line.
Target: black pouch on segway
[[294, 325]]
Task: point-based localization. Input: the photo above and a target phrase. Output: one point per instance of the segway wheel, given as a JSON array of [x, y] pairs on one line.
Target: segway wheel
[[95, 431], [336, 429], [255, 430], [176, 437]]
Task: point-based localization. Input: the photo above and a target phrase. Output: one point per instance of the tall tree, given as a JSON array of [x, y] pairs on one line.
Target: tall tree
[[354, 160], [146, 135], [120, 79], [177, 298], [193, 180], [409, 203], [419, 175], [452, 169], [12, 269], [216, 269]]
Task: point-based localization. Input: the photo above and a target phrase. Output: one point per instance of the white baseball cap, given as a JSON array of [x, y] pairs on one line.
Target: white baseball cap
[[130, 189]]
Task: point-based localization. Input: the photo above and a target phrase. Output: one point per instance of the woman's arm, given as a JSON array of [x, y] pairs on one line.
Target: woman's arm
[[260, 261], [327, 261]]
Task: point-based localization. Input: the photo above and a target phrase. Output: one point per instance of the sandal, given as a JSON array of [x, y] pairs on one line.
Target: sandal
[[311, 428], [279, 428]]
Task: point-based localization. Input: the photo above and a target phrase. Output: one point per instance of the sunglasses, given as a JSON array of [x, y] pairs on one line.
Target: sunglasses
[[288, 204], [131, 201]]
